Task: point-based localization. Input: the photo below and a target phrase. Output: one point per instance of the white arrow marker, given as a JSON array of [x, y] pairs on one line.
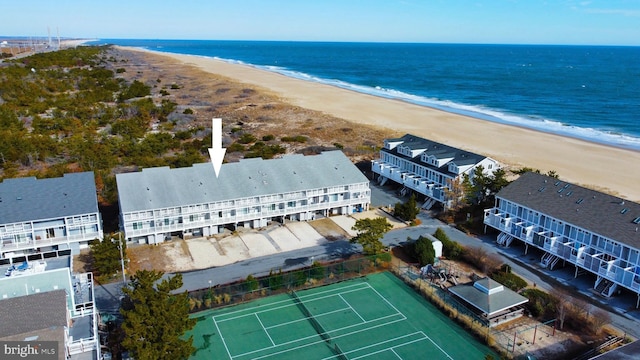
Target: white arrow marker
[[216, 151]]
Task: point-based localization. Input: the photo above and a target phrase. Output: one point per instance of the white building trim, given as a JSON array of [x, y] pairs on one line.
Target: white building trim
[[250, 193], [591, 230], [427, 167]]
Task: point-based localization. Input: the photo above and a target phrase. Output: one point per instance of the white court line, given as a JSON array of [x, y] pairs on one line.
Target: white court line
[[313, 297], [386, 341], [395, 353], [312, 343], [352, 309], [265, 330], [329, 332], [385, 299], [306, 318], [425, 336], [222, 337], [287, 303]]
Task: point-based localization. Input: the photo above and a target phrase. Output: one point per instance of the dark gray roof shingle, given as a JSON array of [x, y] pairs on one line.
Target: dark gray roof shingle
[[26, 199], [41, 311], [591, 210], [439, 150]]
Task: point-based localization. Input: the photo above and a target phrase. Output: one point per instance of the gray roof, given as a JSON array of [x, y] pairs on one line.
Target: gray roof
[[164, 187], [26, 199], [488, 296], [588, 209], [41, 311], [458, 156]]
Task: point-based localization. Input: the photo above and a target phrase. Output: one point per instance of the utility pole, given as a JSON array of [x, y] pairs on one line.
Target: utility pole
[[124, 278]]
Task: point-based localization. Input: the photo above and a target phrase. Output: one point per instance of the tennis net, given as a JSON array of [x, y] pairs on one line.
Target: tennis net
[[314, 322], [338, 351]]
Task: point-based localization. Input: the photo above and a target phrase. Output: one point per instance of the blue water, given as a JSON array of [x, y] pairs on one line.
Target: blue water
[[587, 92]]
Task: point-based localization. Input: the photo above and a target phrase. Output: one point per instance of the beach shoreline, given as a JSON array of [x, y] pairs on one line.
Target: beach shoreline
[[594, 165]]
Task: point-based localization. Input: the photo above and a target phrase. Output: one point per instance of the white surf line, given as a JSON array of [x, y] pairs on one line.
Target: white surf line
[[265, 330], [222, 337], [315, 342], [352, 309], [390, 348], [287, 303]]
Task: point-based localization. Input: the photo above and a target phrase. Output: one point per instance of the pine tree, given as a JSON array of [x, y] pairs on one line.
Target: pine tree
[[155, 319], [370, 233]]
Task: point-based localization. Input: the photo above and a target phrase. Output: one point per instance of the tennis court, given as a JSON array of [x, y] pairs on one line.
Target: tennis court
[[374, 317]]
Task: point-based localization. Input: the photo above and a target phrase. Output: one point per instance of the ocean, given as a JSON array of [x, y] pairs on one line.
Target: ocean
[[587, 92]]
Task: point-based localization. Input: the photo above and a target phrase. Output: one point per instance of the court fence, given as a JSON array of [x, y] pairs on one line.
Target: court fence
[[319, 274], [278, 282]]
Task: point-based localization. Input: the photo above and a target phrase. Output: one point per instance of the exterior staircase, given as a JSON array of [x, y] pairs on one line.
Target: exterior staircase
[[504, 239], [429, 203], [549, 261]]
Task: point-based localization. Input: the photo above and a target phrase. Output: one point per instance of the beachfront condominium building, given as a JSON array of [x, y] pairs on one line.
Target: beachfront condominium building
[[53, 310], [41, 218], [427, 167], [158, 203], [595, 232]]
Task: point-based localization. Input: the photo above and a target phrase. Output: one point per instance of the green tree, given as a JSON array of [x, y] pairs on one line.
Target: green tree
[[156, 319], [105, 254], [424, 251], [370, 231], [451, 249], [408, 210]]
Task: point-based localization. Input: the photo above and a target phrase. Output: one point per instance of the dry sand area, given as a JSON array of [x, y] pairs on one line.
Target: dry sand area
[[601, 167], [220, 250]]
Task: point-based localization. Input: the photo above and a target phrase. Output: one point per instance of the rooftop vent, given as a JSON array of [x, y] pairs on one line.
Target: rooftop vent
[[624, 211], [636, 220], [579, 201]]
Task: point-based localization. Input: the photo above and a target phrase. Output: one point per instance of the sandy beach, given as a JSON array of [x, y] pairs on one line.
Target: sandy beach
[[597, 166]]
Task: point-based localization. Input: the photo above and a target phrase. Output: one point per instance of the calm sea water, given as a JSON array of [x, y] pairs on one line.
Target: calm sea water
[[587, 92]]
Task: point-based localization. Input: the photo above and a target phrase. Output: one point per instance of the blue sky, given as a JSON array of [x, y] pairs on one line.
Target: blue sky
[[597, 22]]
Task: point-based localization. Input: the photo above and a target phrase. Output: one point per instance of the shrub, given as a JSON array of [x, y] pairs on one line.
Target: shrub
[[175, 86], [268, 137], [510, 280], [540, 305], [424, 251], [120, 70], [450, 248], [252, 283], [235, 147], [188, 111], [317, 271], [297, 138]]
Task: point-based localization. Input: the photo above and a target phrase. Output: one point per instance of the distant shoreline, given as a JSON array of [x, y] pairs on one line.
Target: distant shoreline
[[599, 166]]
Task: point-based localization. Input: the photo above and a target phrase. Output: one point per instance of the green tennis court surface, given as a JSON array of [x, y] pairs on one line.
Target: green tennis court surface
[[376, 317]]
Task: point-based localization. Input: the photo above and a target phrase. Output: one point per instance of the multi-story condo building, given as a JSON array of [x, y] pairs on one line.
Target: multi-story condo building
[[51, 306], [595, 232], [427, 167], [158, 203], [43, 217]]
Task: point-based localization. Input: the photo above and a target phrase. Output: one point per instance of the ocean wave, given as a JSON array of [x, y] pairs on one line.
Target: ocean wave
[[601, 136]]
